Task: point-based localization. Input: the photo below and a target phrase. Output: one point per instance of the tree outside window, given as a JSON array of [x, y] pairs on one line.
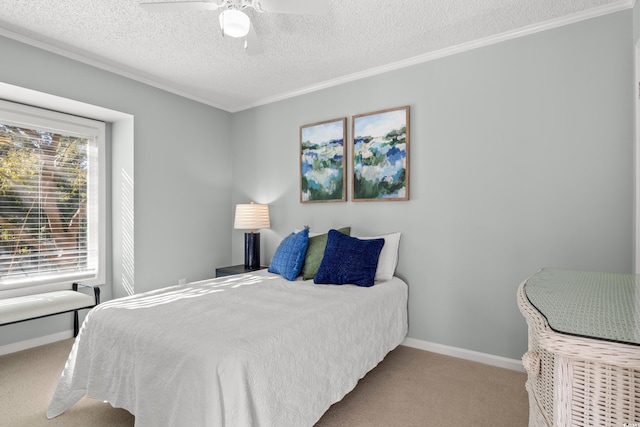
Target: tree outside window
[[43, 202]]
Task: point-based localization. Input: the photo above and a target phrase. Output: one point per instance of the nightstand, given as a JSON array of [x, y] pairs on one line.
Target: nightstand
[[582, 368], [236, 269]]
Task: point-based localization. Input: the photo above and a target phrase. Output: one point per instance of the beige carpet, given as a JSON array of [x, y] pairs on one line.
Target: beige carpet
[[409, 388]]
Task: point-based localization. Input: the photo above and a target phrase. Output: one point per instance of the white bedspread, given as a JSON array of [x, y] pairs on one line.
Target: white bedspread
[[246, 350]]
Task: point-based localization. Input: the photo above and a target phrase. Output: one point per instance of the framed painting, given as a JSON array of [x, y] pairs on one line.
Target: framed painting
[[322, 161], [380, 155]]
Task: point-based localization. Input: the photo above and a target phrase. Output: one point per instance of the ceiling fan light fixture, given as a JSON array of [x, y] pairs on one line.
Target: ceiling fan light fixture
[[234, 23]]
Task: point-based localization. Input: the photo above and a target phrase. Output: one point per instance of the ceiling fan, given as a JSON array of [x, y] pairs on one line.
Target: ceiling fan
[[233, 21]]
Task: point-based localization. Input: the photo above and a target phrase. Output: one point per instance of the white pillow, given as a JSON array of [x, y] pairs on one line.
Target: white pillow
[[388, 260]]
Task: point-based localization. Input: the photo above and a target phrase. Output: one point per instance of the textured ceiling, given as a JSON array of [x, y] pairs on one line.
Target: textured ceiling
[[186, 54]]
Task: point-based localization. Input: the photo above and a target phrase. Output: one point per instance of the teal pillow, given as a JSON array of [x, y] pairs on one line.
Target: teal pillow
[[315, 252], [349, 260], [289, 256]]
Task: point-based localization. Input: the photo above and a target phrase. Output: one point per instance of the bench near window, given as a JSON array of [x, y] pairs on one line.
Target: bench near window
[[17, 309]]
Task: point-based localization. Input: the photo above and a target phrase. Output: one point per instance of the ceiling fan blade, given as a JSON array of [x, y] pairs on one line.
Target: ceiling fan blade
[[252, 43], [179, 6], [296, 7]]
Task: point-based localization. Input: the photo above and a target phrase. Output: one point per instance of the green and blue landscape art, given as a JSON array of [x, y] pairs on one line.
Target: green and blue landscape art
[[322, 161], [380, 155]]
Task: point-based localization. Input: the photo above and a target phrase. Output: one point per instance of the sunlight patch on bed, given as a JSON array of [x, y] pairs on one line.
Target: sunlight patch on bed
[[179, 292]]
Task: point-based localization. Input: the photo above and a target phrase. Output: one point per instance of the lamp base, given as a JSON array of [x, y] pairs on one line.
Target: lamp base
[[252, 251]]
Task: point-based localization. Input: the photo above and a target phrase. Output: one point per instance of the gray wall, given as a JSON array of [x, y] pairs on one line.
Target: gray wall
[[636, 91], [636, 22], [521, 158], [179, 165]]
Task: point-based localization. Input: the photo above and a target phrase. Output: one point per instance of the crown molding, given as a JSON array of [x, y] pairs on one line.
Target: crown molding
[[453, 50], [106, 66]]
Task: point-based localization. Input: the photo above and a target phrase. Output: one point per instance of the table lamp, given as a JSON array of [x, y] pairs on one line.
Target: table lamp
[[252, 217]]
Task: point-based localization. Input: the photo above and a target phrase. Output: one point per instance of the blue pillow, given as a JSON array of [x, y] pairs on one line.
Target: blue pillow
[[289, 257], [349, 260]]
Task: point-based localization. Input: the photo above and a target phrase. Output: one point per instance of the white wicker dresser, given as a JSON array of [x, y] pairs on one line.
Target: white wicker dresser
[[583, 361]]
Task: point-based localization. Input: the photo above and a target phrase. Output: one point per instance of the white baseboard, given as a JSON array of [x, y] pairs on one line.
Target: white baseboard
[[35, 342], [461, 353]]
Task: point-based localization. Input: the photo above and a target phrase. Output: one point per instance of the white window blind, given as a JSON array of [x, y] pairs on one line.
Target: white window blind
[[51, 197]]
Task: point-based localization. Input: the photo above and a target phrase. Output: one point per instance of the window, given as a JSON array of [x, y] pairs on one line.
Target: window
[[52, 199]]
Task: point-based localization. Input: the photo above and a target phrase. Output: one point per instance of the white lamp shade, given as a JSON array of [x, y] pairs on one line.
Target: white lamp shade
[[234, 23], [252, 216]]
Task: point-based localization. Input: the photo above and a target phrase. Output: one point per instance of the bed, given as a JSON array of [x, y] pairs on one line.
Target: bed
[[249, 350]]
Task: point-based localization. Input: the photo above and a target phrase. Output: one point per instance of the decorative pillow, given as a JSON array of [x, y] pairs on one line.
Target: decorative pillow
[[289, 256], [349, 260], [315, 252], [388, 260]]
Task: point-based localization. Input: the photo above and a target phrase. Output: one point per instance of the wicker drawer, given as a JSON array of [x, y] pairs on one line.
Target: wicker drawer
[[576, 381], [596, 393], [540, 365]]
